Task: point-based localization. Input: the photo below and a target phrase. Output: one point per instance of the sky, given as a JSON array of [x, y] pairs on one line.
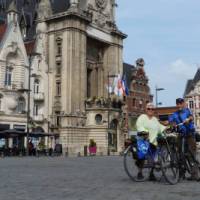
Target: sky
[[166, 33]]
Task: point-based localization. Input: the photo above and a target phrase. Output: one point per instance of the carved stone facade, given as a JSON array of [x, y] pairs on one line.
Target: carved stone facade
[[192, 97], [139, 95], [78, 48]]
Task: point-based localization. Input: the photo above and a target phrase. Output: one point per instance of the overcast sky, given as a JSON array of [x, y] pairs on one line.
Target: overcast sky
[[166, 33]]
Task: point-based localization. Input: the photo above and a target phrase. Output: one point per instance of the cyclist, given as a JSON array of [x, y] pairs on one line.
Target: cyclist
[[184, 117], [148, 123]]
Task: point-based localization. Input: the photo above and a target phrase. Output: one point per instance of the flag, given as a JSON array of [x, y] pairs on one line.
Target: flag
[[125, 86], [118, 90], [110, 85]]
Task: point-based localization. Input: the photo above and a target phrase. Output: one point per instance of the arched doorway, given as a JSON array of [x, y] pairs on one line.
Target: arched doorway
[[112, 136]]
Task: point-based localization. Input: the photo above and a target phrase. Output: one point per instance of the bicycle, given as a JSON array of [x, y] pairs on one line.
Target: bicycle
[[187, 160], [164, 163]]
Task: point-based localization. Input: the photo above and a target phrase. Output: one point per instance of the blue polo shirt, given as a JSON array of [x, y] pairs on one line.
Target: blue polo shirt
[[179, 117]]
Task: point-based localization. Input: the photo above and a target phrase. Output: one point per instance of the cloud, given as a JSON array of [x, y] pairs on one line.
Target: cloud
[[181, 69], [173, 77]]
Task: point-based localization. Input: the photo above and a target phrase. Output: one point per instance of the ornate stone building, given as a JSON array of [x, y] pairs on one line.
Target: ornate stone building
[[78, 44], [139, 92], [192, 97]]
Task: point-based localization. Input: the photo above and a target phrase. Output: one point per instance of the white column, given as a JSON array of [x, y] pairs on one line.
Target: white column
[[10, 142], [46, 141], [25, 142]]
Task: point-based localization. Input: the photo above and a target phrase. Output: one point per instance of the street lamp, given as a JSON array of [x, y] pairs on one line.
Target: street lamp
[[158, 89]]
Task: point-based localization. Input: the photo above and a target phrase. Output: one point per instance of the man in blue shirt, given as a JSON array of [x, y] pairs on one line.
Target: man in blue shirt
[[184, 117]]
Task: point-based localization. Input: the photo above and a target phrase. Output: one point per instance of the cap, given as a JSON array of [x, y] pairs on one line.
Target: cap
[[179, 100]]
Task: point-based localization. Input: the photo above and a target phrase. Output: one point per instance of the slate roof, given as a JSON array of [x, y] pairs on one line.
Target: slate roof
[[27, 10], [128, 72], [30, 45], [2, 30]]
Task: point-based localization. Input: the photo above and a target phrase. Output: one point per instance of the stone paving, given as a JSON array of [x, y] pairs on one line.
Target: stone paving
[[92, 178]]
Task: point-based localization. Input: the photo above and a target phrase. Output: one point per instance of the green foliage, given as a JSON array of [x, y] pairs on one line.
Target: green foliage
[[92, 143]]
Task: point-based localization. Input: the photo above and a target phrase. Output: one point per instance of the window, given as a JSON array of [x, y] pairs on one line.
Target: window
[[59, 49], [21, 105], [191, 104], [98, 118], [8, 76], [36, 86], [141, 103], [58, 68], [58, 118], [35, 110], [134, 102], [59, 46], [1, 101], [58, 88]]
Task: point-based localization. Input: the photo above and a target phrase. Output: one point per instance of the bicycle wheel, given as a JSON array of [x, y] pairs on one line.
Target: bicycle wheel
[[130, 166], [191, 163], [169, 165]]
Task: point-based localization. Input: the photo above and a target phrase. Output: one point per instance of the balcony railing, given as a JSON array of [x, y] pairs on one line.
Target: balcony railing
[[38, 118], [14, 85], [39, 96], [103, 103]]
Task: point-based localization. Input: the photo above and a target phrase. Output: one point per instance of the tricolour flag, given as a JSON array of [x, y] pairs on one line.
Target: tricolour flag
[[125, 86]]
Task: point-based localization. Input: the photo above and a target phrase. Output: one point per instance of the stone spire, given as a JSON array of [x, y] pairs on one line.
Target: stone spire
[[12, 7], [12, 13], [44, 9]]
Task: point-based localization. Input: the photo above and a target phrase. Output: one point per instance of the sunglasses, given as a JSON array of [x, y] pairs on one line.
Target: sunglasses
[[151, 109]]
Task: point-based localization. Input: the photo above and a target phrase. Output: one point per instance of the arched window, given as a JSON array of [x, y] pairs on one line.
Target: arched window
[[21, 105], [113, 124], [8, 76]]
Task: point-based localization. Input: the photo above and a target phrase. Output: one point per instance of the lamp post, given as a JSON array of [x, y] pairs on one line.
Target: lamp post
[[109, 76], [158, 89]]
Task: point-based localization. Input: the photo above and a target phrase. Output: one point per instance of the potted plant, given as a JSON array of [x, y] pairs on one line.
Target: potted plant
[[92, 147], [98, 101], [89, 102]]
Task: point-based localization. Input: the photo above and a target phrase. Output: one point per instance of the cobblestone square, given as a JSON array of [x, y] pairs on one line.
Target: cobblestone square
[[99, 178]]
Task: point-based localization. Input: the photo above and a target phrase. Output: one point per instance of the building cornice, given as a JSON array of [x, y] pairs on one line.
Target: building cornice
[[85, 16]]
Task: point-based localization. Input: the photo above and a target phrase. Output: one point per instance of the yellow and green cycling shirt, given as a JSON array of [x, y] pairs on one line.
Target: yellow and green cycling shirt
[[151, 125]]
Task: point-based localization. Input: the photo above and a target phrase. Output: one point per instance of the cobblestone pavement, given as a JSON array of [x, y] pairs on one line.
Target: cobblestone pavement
[[93, 178]]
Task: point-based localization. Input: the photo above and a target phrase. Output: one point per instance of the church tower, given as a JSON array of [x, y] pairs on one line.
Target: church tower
[[44, 9], [84, 46]]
